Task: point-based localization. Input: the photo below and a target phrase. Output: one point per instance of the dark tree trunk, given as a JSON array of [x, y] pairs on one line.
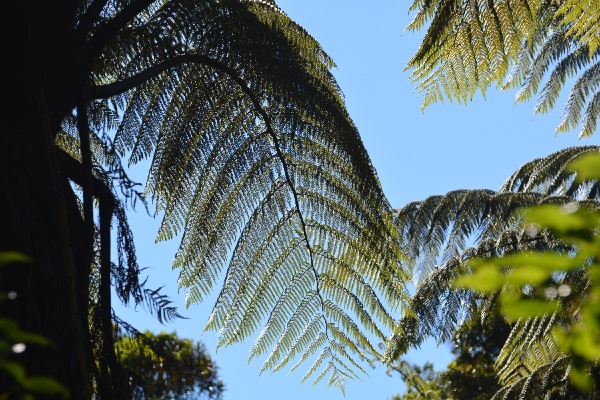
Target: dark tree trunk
[[38, 215]]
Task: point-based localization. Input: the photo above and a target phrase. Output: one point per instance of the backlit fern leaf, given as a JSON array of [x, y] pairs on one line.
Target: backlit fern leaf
[[531, 364], [436, 232], [256, 165], [472, 45]]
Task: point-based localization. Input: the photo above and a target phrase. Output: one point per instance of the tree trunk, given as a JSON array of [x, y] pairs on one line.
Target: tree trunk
[[35, 216]]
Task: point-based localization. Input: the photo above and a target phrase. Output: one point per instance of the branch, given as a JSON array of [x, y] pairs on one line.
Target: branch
[[108, 30], [87, 179], [74, 171], [90, 16]]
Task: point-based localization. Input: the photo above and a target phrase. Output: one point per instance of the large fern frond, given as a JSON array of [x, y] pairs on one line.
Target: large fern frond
[[530, 364], [550, 175], [437, 231], [471, 45], [256, 164]]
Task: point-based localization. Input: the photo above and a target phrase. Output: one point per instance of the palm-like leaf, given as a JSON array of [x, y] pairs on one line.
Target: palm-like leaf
[[438, 231], [256, 164], [531, 365], [471, 46]]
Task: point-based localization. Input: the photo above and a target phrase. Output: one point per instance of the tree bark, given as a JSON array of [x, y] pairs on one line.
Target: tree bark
[[35, 216]]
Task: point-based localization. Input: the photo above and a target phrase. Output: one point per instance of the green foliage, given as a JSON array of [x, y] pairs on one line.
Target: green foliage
[[436, 233], [565, 284], [477, 342], [16, 383], [471, 46], [422, 383], [257, 167], [164, 365]]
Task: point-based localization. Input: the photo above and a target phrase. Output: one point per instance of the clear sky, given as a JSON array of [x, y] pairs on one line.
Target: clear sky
[[416, 155]]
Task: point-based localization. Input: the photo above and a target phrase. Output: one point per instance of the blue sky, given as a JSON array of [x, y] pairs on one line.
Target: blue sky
[[416, 155]]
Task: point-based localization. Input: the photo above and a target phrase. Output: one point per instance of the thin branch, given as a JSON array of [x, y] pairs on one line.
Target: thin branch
[[108, 30], [87, 181], [90, 16]]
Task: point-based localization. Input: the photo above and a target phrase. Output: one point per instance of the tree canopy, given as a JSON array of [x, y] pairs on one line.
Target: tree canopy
[[256, 165], [253, 161], [527, 243], [165, 365]]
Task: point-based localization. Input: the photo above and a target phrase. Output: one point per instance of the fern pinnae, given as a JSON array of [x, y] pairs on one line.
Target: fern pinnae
[[340, 364], [211, 229], [130, 136], [323, 355], [293, 328], [330, 366], [349, 300], [304, 339], [278, 273], [319, 342], [340, 342], [201, 154], [585, 84], [590, 117], [251, 298], [277, 319], [337, 315], [564, 68], [342, 271]]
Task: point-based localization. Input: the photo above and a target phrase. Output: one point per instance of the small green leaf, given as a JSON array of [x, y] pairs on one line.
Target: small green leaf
[[584, 344], [7, 257], [559, 220], [581, 379], [528, 274], [485, 278], [15, 370], [515, 307], [587, 167], [544, 260], [13, 333], [44, 385]]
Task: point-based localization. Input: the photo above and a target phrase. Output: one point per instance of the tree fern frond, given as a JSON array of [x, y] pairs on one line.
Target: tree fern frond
[[257, 165], [587, 84], [469, 46], [549, 175]]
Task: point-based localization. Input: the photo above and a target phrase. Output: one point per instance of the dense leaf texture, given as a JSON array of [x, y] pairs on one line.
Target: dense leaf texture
[[164, 365], [442, 232], [536, 46], [255, 163]]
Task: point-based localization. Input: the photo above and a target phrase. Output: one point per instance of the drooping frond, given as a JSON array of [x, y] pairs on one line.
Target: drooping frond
[[530, 364], [439, 228], [550, 175], [257, 166], [437, 231], [472, 45]]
